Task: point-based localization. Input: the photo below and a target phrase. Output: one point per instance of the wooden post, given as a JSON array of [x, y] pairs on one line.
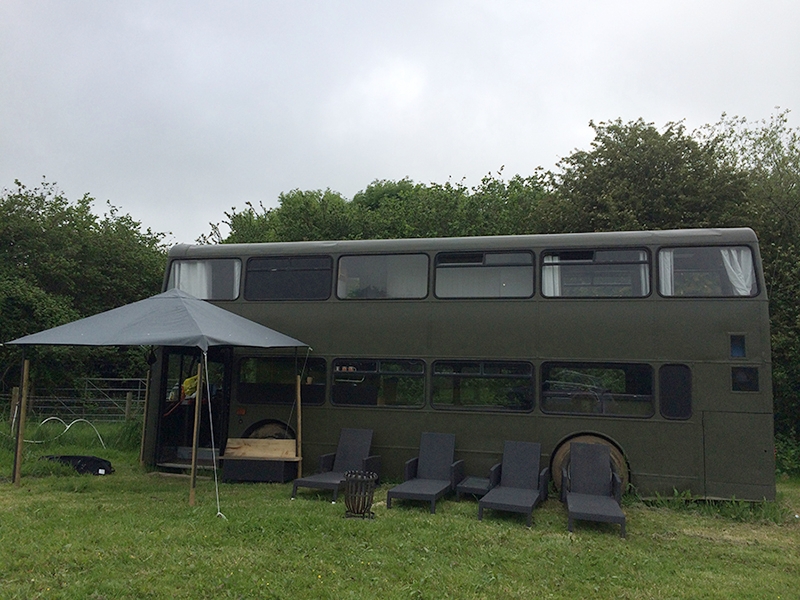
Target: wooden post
[[198, 399], [128, 401], [299, 429], [21, 423]]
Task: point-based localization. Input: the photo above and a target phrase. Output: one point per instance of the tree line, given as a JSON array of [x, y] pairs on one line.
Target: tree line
[[633, 176], [60, 262]]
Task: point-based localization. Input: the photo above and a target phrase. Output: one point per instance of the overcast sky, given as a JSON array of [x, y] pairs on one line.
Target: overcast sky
[[176, 111]]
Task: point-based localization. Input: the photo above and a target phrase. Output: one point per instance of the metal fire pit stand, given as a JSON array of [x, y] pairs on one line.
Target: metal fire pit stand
[[359, 489]]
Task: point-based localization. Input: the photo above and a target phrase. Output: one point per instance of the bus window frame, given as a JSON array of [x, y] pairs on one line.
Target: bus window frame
[[238, 275], [482, 375], [673, 415], [331, 271], [608, 365], [483, 265], [647, 262], [658, 273], [339, 280], [740, 386], [319, 360], [337, 369]]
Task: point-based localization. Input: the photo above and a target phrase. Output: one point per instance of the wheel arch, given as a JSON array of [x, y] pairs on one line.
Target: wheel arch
[[559, 458], [270, 429]]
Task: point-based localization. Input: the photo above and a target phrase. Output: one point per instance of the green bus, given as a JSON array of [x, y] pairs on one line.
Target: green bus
[[655, 343]]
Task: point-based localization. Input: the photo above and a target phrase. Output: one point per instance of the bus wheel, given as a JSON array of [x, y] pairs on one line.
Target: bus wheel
[[561, 459], [274, 430]]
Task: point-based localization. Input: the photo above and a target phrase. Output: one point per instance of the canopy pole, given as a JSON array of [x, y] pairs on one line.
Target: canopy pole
[[299, 429], [23, 408], [196, 435], [144, 416]]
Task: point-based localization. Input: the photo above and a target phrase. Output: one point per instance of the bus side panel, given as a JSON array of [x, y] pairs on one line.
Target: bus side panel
[[740, 456], [476, 329], [712, 389], [378, 328], [596, 329], [665, 456], [700, 328]]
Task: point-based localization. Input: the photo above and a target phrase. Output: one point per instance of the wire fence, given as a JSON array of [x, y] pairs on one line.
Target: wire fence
[[98, 400]]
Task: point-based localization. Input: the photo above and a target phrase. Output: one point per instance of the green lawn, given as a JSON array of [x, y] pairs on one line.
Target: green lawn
[[132, 534]]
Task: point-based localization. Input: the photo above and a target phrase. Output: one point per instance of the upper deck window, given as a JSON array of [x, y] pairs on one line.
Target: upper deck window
[[484, 275], [212, 279], [383, 276], [707, 271], [289, 278], [596, 273]]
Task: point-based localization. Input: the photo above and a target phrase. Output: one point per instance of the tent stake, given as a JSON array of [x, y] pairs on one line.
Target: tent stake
[[195, 437]]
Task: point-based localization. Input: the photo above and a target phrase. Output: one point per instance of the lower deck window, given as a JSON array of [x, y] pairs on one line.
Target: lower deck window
[[273, 380], [378, 382], [744, 379], [484, 385], [675, 389], [612, 389]]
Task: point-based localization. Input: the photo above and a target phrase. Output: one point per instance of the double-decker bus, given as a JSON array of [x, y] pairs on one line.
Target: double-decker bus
[[655, 343]]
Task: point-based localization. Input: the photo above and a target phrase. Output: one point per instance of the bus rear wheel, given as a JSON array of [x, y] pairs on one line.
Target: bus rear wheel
[[561, 459]]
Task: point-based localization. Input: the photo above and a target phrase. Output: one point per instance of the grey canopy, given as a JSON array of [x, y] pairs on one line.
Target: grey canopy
[[173, 318]]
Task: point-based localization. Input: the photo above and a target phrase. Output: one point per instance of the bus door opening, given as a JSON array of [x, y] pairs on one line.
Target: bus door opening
[[176, 419]]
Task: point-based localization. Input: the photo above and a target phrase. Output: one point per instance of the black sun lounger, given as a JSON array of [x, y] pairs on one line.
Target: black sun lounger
[[591, 489], [352, 454], [521, 485], [432, 474]]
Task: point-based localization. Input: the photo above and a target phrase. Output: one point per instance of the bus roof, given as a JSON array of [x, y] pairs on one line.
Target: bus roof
[[722, 236]]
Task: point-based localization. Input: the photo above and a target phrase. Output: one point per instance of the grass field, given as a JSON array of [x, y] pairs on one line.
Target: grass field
[[132, 534]]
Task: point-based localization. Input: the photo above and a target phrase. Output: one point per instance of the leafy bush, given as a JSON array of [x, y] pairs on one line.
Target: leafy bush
[[787, 454]]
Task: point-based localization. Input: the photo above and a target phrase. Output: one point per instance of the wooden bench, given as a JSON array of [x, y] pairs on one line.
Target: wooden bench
[[256, 459]]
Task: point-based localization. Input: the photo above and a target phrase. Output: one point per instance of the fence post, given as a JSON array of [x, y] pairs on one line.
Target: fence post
[[128, 401]]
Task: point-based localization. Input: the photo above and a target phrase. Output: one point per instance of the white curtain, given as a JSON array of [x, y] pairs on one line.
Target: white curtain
[[644, 274], [551, 276], [406, 276], [666, 272], [192, 277], [739, 266]]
